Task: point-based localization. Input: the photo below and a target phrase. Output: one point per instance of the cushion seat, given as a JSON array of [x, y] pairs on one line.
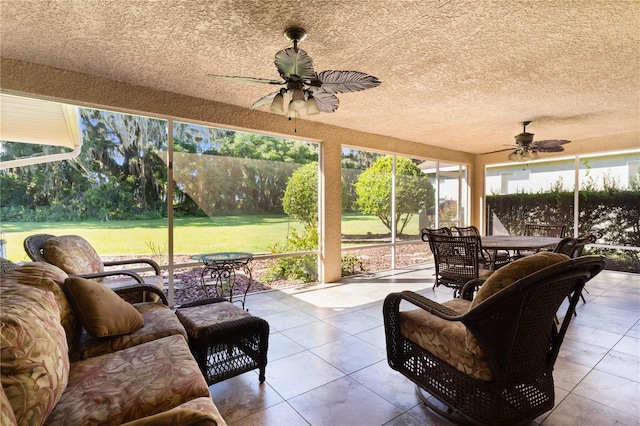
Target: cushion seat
[[159, 321], [143, 380], [445, 339]]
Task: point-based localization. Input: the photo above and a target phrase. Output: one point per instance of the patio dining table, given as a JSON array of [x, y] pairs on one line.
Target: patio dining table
[[493, 243]]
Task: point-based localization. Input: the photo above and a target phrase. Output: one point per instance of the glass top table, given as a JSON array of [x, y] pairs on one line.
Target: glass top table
[[219, 273]]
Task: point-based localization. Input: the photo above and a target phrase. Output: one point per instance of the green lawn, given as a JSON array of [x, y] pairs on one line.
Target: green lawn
[[254, 234]]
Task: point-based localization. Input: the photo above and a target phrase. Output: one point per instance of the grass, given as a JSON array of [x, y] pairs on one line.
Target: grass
[[255, 234]]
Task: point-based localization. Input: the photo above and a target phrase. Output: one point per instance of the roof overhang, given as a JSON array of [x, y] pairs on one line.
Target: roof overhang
[[36, 121]]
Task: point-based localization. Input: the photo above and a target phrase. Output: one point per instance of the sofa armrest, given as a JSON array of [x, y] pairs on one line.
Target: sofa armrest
[[141, 287], [149, 262], [104, 274]]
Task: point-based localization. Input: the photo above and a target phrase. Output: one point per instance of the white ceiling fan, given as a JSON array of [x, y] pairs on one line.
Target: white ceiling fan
[[307, 89]]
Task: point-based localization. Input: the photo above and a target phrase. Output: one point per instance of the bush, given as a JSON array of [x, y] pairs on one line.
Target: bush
[[303, 268]]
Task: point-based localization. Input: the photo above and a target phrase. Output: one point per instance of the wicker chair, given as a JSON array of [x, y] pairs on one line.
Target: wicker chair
[[456, 260], [428, 231], [545, 230], [495, 261], [6, 265], [36, 248], [573, 247], [489, 362], [532, 230]]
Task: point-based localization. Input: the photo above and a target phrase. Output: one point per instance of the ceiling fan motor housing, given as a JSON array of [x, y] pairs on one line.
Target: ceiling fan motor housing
[[524, 139]]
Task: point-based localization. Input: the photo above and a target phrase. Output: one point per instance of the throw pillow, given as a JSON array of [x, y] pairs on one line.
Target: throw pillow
[[514, 271], [101, 311], [73, 254]]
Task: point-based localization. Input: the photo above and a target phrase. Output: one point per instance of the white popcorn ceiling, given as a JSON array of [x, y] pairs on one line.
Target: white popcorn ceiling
[[455, 73]]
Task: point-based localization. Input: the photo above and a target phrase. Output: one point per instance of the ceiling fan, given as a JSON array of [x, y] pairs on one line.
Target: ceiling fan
[[528, 149], [307, 89]]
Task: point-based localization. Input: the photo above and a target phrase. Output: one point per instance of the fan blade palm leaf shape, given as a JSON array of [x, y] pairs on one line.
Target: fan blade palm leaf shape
[[327, 102], [346, 81], [549, 145], [247, 79], [265, 100], [292, 64]]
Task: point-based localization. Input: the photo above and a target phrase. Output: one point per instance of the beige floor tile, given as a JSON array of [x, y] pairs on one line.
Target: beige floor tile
[[279, 415], [299, 373], [350, 354], [613, 391], [344, 402]]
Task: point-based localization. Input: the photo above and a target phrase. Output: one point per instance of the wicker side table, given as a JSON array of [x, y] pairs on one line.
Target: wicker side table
[[225, 339]]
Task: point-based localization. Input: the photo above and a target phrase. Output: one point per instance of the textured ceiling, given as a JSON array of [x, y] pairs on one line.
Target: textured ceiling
[[457, 74]]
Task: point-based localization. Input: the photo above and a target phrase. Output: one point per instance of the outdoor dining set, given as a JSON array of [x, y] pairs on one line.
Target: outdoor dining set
[[462, 254]]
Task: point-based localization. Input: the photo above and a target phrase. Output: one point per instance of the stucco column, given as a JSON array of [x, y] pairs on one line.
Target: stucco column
[[330, 201]]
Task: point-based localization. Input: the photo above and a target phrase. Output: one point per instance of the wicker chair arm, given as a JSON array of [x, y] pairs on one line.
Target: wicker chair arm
[[429, 305], [149, 262], [470, 288], [131, 274], [137, 288]]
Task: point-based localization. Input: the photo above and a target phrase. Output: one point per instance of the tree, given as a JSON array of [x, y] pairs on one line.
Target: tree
[[301, 195], [414, 192]]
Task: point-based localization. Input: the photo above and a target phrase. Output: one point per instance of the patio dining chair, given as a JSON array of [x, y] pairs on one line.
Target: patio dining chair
[[488, 260], [489, 359], [573, 248], [545, 230], [434, 231], [75, 255], [541, 230], [456, 260]]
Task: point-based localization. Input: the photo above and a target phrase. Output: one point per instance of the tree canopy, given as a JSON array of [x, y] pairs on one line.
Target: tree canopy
[[413, 192]]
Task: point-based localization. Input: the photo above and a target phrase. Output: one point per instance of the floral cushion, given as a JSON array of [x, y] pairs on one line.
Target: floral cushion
[[514, 271], [159, 321], [51, 278], [73, 254], [445, 339], [101, 311], [196, 412], [6, 412], [33, 357], [130, 384]]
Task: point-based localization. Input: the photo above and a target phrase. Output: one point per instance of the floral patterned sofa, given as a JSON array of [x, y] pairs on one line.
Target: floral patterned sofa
[[74, 353]]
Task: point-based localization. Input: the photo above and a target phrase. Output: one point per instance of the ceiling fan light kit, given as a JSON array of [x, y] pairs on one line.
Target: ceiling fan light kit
[[306, 90], [528, 149]]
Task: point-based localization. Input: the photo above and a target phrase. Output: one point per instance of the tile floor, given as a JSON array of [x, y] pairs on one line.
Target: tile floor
[[327, 361]]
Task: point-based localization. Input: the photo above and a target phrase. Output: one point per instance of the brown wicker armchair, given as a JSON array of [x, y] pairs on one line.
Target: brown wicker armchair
[[456, 260], [490, 360], [75, 255]]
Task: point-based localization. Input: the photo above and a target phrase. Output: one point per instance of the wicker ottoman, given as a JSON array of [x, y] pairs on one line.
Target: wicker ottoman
[[225, 340]]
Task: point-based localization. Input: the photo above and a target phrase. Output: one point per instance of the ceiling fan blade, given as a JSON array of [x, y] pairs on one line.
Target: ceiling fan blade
[[265, 100], [291, 62], [346, 81], [550, 145], [327, 102], [247, 79], [500, 150]]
